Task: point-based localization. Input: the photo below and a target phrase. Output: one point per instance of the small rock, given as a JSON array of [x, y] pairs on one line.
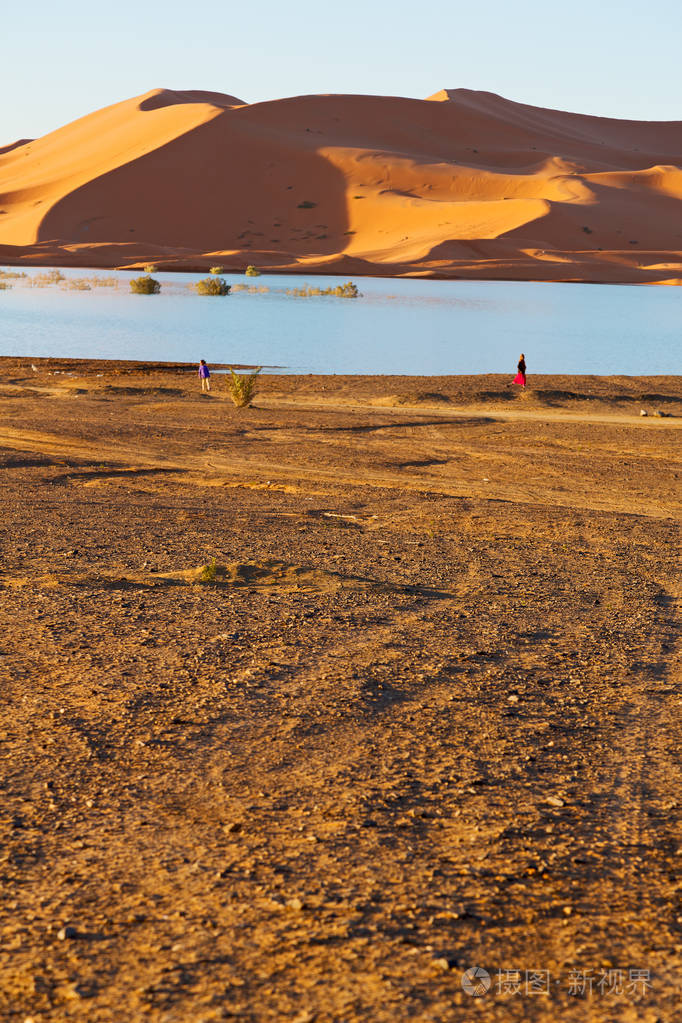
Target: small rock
[[295, 903], [232, 828], [512, 699], [67, 933], [555, 801], [644, 412], [445, 962], [659, 414]]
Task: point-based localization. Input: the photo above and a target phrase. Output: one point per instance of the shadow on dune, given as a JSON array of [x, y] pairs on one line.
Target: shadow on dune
[[223, 185]]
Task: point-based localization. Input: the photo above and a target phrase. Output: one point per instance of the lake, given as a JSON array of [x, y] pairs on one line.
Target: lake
[[397, 326]]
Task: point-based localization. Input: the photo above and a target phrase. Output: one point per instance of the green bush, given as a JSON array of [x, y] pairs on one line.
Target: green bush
[[212, 286], [209, 573], [251, 271], [145, 286], [242, 387], [217, 270]]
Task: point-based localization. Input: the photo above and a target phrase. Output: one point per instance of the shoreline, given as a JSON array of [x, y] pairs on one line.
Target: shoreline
[[659, 395], [350, 268]]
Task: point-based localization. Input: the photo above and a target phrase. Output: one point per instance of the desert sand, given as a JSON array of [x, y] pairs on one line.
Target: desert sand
[[464, 184], [309, 707]]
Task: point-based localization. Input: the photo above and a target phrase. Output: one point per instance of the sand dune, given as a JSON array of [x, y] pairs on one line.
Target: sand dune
[[464, 184]]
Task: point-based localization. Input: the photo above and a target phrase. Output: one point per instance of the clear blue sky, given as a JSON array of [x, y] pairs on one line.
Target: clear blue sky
[[64, 58]]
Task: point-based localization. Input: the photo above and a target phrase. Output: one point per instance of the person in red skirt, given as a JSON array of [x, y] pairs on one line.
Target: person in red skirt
[[520, 377]]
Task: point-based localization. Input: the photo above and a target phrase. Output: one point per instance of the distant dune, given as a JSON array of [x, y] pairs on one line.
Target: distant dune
[[464, 184]]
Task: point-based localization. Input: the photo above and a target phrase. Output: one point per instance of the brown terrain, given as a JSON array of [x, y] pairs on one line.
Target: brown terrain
[[465, 185], [310, 707]]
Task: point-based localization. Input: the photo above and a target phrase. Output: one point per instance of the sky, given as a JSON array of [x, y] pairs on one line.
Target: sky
[[614, 58]]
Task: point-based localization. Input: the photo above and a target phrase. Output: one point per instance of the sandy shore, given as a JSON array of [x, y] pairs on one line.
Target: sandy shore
[[421, 712]]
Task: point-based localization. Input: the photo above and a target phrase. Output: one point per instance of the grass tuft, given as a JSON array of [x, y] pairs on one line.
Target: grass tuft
[[347, 290], [242, 387]]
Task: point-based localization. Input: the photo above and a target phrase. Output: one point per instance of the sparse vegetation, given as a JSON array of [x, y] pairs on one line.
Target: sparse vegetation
[[347, 290], [242, 387], [46, 279], [87, 283], [11, 275], [307, 205], [145, 286], [251, 289], [212, 286], [216, 270], [252, 271], [4, 286], [150, 268], [75, 284], [103, 282]]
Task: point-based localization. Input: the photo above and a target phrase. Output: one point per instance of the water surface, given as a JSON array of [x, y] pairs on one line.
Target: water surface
[[398, 326]]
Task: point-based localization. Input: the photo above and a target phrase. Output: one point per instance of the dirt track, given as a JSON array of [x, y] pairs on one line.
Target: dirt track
[[421, 714]]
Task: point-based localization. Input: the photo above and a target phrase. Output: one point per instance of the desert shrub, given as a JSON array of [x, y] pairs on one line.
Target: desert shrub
[[11, 275], [217, 270], [212, 286], [145, 286], [242, 387], [150, 268], [252, 271], [4, 286]]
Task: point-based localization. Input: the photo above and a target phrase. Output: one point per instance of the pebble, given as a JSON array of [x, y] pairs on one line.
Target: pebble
[[295, 903], [67, 932], [644, 412], [555, 801]]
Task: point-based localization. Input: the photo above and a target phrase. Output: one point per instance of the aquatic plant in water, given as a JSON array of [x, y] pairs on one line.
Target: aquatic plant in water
[[347, 290], [145, 286], [212, 286]]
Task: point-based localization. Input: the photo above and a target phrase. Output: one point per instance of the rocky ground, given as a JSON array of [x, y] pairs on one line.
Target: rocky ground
[[309, 708]]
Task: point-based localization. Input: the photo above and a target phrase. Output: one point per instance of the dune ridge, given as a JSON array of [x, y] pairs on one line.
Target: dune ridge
[[463, 184]]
